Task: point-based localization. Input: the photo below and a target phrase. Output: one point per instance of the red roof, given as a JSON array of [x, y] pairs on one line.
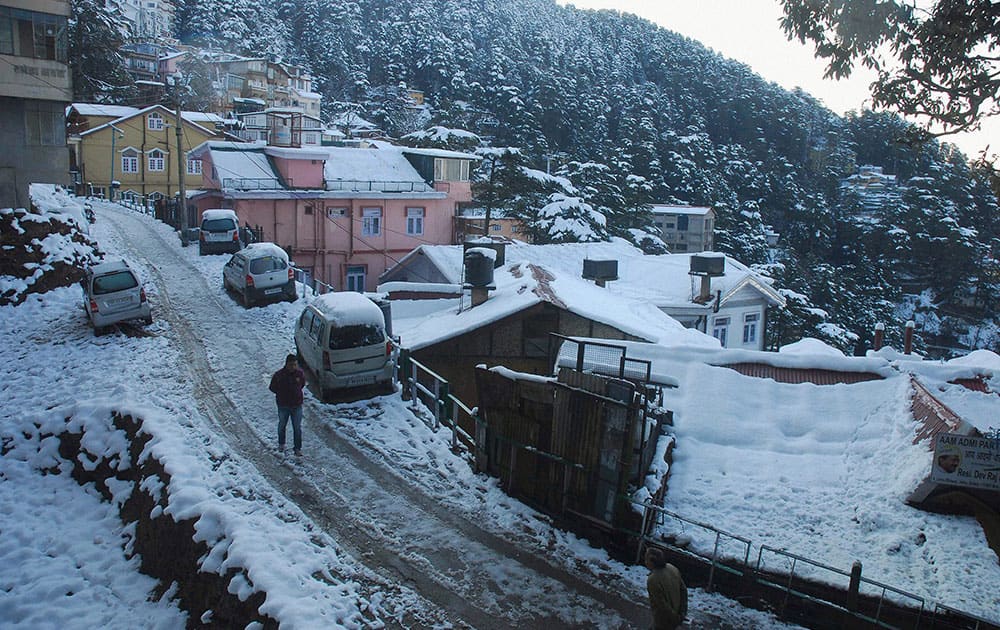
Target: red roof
[[800, 375], [933, 415]]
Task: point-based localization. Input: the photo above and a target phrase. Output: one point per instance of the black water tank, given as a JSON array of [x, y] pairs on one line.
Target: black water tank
[[499, 248], [478, 269], [708, 265], [600, 269]]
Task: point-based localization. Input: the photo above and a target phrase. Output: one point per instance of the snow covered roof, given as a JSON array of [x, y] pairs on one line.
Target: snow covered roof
[[348, 164], [662, 280], [521, 285], [142, 112], [98, 109], [238, 160], [662, 208], [353, 121]]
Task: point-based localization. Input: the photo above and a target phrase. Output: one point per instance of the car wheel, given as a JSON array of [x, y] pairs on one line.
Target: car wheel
[[148, 320], [247, 300], [99, 330]]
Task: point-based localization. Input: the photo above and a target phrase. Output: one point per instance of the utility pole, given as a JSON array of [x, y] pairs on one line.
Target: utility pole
[[182, 194]]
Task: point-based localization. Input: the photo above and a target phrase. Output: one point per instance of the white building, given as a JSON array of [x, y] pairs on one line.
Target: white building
[[685, 228]]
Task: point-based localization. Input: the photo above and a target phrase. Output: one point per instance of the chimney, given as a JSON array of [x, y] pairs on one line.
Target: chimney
[[479, 273], [908, 338], [879, 335]]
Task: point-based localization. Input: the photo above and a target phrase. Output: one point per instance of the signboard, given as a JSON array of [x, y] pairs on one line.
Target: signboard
[[964, 460]]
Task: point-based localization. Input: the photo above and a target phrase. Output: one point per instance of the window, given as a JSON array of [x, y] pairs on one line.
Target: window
[[720, 329], [130, 161], [495, 227], [415, 221], [32, 34], [194, 167], [682, 223], [265, 264], [356, 279], [371, 221], [155, 160], [356, 336], [750, 327], [45, 128], [451, 170], [308, 209], [154, 121]]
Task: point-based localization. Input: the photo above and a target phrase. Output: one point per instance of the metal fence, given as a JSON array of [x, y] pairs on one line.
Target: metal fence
[[421, 384]]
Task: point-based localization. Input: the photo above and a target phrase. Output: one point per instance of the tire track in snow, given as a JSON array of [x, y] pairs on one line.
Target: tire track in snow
[[474, 577]]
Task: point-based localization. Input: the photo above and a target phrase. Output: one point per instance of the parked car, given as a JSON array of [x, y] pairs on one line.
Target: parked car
[[112, 293], [260, 272], [341, 338], [219, 233]]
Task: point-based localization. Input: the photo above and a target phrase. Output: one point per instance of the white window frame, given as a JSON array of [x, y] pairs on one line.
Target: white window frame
[[750, 323], [415, 221], [156, 161], [371, 221], [154, 122], [193, 166], [720, 329], [130, 160]]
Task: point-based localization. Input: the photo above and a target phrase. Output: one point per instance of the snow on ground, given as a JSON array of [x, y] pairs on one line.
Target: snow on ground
[[62, 558], [824, 471]]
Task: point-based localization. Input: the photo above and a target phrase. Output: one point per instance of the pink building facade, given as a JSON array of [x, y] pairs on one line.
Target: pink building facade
[[345, 215]]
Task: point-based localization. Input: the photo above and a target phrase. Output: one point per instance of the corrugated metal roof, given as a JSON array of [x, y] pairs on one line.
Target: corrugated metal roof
[[800, 375], [977, 384], [933, 415]]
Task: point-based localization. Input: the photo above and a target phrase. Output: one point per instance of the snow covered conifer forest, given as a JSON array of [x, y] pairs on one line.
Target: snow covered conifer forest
[[628, 114]]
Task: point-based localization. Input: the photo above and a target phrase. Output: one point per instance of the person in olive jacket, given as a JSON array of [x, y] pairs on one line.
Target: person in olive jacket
[[667, 591], [287, 384]]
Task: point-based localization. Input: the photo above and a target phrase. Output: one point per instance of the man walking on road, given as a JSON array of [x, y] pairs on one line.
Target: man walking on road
[[287, 384], [667, 591]]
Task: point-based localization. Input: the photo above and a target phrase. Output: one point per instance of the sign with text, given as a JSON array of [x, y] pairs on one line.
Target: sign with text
[[964, 460]]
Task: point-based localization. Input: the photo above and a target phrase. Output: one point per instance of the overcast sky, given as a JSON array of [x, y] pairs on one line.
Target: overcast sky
[[748, 31]]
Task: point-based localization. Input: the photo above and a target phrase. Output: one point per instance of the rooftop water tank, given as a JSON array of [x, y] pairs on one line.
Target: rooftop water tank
[[478, 268], [600, 269], [708, 264]]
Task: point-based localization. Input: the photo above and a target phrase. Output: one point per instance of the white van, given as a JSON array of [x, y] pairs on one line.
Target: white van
[[341, 338], [220, 232]]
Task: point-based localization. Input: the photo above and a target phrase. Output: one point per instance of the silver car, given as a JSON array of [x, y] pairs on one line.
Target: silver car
[[112, 293], [260, 272]]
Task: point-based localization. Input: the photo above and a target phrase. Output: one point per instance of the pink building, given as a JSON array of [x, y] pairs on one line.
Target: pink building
[[343, 214]]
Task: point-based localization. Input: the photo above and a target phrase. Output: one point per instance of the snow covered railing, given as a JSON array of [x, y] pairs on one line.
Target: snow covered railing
[[883, 593], [420, 383], [655, 517]]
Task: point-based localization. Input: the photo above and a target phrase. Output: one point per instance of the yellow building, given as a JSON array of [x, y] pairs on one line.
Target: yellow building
[[139, 151]]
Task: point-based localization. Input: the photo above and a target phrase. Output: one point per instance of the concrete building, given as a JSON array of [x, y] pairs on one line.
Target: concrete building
[[685, 229], [343, 214], [35, 87]]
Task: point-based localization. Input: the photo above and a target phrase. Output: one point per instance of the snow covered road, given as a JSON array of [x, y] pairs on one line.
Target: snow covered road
[[399, 529]]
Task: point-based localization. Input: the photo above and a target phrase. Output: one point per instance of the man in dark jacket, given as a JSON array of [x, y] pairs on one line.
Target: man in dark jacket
[[667, 591], [287, 384]]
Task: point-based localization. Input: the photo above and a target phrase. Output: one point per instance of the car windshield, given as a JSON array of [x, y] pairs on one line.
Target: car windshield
[[117, 281], [218, 225], [267, 263], [344, 337]]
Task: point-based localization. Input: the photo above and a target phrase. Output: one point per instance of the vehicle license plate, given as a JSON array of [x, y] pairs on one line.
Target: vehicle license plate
[[272, 291], [361, 380], [118, 301]]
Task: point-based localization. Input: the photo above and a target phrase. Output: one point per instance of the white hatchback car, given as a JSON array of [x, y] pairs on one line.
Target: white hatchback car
[[260, 272], [112, 293]]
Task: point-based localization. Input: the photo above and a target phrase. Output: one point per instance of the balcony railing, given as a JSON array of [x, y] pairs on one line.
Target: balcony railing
[[256, 183], [348, 185]]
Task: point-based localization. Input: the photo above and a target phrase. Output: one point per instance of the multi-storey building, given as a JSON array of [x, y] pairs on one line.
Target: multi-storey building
[[281, 128], [343, 214], [685, 228], [35, 87], [247, 84], [148, 18]]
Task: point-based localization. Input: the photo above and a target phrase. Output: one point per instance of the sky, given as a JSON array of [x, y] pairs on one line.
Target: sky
[[749, 32], [790, 466]]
